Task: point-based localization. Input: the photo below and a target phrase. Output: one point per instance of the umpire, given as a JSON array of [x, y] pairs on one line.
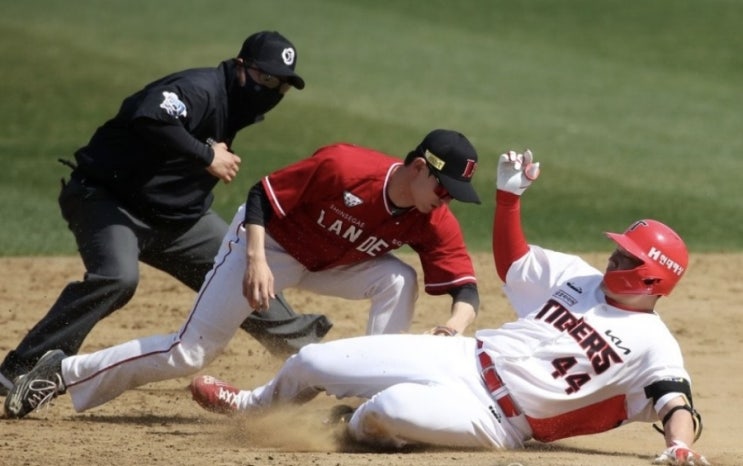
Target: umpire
[[141, 190]]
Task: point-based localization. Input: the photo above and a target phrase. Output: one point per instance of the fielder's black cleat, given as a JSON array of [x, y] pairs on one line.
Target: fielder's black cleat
[[37, 388]]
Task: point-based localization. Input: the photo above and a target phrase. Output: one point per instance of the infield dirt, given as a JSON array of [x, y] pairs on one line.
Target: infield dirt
[[160, 424]]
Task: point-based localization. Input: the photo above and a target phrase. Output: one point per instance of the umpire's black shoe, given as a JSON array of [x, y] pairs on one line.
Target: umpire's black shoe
[[37, 388]]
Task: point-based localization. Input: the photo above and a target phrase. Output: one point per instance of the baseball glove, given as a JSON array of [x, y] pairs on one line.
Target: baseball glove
[[442, 330]]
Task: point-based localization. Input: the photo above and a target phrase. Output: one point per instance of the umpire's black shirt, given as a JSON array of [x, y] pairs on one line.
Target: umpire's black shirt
[[153, 154]]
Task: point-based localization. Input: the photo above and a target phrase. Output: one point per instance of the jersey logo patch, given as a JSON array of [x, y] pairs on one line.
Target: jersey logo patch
[[351, 200], [173, 105]]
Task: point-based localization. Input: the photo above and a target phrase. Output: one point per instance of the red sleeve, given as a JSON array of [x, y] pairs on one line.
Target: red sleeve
[[509, 243], [293, 184], [443, 254]]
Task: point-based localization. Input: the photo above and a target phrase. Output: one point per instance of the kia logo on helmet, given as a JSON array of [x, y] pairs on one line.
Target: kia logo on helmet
[[658, 256]]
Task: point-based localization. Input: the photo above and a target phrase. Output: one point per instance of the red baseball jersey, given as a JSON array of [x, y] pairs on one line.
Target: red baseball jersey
[[331, 210]]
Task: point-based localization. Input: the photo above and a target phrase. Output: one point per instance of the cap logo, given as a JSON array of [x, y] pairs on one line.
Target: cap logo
[[435, 162], [288, 56], [469, 169]]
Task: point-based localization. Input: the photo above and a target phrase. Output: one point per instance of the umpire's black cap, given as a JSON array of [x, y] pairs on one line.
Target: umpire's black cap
[[273, 54]]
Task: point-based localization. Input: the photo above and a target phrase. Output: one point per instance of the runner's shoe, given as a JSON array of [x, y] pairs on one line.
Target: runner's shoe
[[215, 395]]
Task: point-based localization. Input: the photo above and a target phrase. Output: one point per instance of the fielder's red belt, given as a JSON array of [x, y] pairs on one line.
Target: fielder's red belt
[[495, 385]]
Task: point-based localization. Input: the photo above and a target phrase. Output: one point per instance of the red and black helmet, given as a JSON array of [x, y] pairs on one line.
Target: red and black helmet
[[662, 252]]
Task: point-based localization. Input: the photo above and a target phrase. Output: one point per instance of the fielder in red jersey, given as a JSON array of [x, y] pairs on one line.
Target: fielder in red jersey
[[337, 200], [329, 222]]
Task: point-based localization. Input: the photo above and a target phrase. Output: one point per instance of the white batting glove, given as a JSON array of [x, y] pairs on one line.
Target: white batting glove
[[516, 171], [681, 455]]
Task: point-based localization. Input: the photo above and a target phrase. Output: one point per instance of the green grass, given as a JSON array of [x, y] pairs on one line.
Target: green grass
[[633, 108]]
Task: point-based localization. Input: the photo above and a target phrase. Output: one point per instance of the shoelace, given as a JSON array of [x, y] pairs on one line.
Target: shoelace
[[229, 397], [42, 392]]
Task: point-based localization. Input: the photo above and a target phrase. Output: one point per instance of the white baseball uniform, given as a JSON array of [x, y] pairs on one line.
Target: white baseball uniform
[[571, 364], [331, 233]]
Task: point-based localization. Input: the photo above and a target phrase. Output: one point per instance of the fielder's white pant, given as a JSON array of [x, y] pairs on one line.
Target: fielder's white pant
[[220, 308], [420, 389]]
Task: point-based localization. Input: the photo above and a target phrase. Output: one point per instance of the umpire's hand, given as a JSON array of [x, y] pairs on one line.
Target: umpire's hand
[[225, 164]]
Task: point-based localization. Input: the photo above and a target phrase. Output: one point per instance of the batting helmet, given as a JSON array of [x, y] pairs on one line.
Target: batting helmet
[[662, 252]]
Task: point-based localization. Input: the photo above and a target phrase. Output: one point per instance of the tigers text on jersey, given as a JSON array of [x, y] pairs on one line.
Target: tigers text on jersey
[[577, 364], [331, 210]]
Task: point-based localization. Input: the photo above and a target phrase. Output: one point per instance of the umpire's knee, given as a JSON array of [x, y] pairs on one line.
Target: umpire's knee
[[119, 287]]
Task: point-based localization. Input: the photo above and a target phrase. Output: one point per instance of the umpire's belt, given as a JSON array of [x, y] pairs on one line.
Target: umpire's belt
[[495, 385]]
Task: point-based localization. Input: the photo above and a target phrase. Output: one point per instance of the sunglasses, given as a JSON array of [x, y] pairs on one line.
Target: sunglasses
[[440, 191], [268, 80]]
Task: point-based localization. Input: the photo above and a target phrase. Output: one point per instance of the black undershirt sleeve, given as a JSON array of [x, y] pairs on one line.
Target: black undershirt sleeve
[[258, 210], [467, 293], [173, 138]]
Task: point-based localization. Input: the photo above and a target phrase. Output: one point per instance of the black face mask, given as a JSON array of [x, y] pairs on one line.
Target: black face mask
[[248, 103]]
